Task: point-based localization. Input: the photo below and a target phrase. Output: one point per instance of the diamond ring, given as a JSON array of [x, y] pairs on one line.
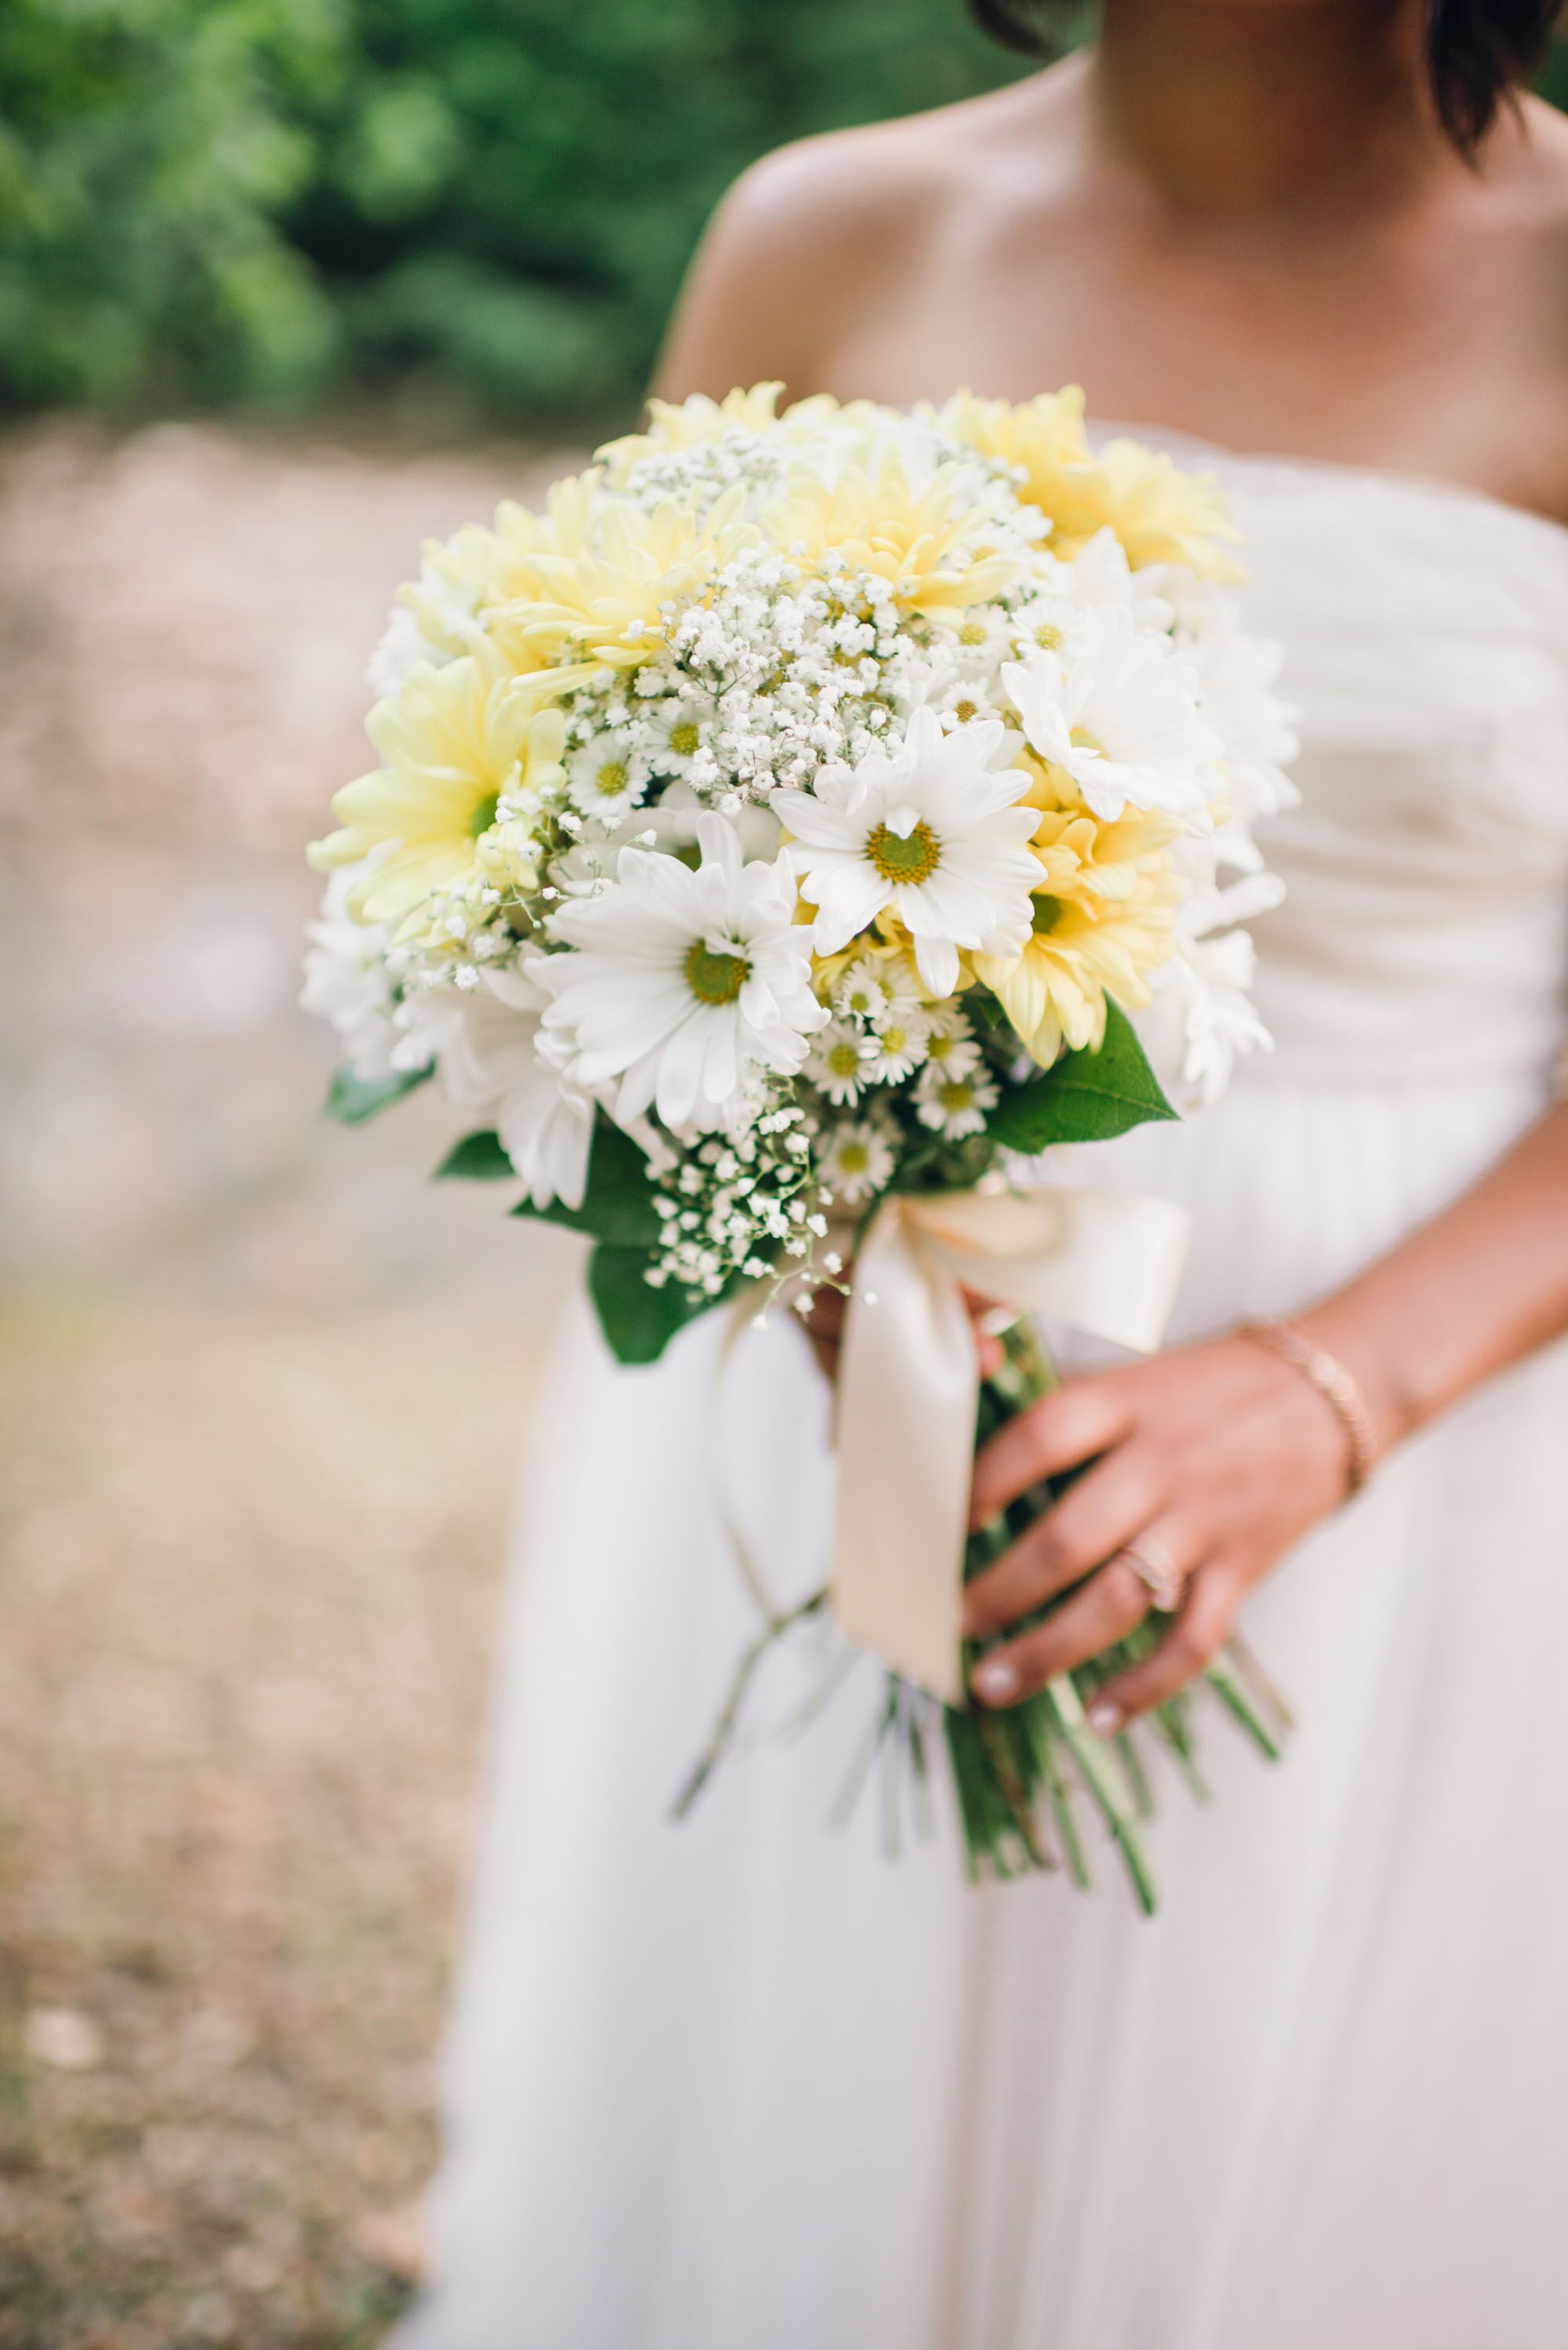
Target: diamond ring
[[1157, 1571]]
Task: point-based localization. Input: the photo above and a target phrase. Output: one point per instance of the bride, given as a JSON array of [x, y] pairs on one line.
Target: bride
[[747, 2085]]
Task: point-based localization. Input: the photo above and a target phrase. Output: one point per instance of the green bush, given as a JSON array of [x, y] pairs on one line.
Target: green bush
[[227, 201], [253, 200]]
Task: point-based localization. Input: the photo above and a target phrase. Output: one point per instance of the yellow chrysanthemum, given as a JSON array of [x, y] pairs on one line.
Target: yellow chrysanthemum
[[1159, 514], [1103, 915], [922, 545], [480, 568], [682, 424], [454, 741], [604, 603]]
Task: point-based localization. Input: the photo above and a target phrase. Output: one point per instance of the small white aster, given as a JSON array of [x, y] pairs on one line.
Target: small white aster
[[858, 1162], [952, 1104]]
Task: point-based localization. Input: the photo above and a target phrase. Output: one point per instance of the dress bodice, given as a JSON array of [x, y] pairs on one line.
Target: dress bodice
[[1425, 930]]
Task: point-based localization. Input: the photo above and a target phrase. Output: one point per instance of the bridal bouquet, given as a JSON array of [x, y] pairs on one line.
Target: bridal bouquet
[[780, 842]]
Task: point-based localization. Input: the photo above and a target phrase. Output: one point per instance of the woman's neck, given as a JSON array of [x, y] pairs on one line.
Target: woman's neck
[[1243, 106]]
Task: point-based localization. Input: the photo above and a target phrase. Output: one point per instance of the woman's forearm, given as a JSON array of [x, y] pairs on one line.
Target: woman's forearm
[[1479, 1287]]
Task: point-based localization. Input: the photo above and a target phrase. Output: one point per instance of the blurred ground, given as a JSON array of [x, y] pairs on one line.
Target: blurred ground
[[260, 1396]]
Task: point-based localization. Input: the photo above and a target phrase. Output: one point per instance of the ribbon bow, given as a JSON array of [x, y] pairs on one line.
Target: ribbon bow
[[1106, 1263]]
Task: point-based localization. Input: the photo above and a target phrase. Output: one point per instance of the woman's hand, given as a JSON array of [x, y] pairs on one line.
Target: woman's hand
[[1219, 1455]]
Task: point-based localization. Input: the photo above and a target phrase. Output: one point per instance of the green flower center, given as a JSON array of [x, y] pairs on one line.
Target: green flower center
[[483, 815], [843, 1059], [612, 779], [909, 857], [714, 978], [1047, 913], [895, 1040], [955, 1094], [853, 1159], [684, 738], [1084, 740]]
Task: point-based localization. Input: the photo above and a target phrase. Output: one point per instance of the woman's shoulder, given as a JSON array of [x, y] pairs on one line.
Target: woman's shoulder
[[816, 230]]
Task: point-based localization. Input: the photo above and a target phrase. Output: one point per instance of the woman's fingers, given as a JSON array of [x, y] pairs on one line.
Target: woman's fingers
[[1068, 1428], [1105, 1509], [1105, 1611], [1193, 1641]]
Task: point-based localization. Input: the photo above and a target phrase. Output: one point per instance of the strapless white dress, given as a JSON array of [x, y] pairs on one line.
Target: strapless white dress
[[750, 2085]]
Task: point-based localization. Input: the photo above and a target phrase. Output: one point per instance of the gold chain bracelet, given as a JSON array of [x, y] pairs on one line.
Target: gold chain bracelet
[[1334, 1383]]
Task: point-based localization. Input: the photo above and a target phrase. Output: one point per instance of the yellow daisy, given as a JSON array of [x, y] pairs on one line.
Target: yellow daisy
[[920, 544], [454, 741], [1159, 514], [603, 602], [1103, 915]]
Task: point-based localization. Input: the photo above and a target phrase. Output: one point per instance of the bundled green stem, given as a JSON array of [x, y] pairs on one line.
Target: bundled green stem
[[1020, 1773]]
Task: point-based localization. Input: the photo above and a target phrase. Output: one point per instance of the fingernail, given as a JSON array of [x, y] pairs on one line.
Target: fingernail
[[996, 1680], [1104, 1719]]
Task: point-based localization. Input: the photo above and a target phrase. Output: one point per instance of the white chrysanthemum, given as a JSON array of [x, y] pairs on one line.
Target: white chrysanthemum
[[949, 1041], [899, 1035], [863, 991], [930, 831], [607, 777], [346, 980], [680, 731], [953, 1102], [672, 822], [1237, 673], [1119, 711], [1202, 1015], [858, 1162], [840, 1062], [680, 986], [486, 1039]]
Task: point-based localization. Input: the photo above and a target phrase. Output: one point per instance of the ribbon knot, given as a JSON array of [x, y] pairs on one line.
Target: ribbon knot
[[1106, 1263]]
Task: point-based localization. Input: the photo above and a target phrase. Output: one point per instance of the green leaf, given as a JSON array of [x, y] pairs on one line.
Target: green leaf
[[639, 1322], [1085, 1097], [617, 1205], [352, 1099], [478, 1158]]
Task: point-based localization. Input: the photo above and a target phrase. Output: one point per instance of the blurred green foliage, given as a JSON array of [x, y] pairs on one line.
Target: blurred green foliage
[[268, 200]]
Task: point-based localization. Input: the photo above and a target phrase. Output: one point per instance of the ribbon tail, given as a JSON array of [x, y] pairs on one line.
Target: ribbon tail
[[908, 1384]]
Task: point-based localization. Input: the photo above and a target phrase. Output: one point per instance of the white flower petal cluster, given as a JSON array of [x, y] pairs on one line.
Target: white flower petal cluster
[[928, 830], [680, 986]]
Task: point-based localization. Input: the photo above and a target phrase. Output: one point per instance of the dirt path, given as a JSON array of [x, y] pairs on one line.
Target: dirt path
[[260, 1396]]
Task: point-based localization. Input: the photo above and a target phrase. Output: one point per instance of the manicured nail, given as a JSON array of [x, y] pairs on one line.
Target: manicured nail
[[996, 1680], [1104, 1719]]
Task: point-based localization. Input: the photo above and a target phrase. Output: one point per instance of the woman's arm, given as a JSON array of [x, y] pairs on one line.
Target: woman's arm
[[1225, 1456]]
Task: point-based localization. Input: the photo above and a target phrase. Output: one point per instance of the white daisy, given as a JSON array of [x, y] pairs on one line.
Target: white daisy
[[606, 776], [486, 1043], [862, 990], [345, 978], [928, 830], [1202, 1015], [1119, 710], [680, 732], [858, 1162], [954, 1104], [672, 821], [684, 983], [949, 1041], [899, 1044], [840, 1062]]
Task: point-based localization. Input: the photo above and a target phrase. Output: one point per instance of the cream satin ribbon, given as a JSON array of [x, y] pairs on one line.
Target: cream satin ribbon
[[1106, 1263]]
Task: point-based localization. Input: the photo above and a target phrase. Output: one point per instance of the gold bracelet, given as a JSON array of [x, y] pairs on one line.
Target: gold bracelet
[[1334, 1383]]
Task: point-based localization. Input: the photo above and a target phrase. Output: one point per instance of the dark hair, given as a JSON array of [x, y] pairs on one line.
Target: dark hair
[[1477, 51]]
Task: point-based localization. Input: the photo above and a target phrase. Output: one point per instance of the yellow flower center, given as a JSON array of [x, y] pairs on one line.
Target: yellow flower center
[[955, 1094], [964, 710], [684, 738], [843, 1059], [910, 858], [483, 815], [853, 1159], [612, 779], [894, 1039], [714, 978], [1047, 637], [971, 633], [1081, 736], [1047, 913]]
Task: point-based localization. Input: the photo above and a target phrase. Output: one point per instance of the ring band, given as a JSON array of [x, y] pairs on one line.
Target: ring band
[[1157, 1571]]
